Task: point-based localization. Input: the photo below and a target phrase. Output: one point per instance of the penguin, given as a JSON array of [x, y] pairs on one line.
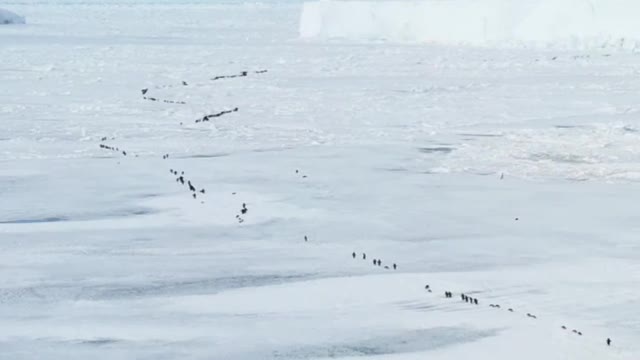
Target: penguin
[[353, 255]]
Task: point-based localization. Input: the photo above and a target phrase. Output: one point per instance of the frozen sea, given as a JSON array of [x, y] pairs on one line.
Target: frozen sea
[[511, 175]]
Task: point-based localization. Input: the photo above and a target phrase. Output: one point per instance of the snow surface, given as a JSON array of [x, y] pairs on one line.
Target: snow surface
[[399, 151], [567, 23]]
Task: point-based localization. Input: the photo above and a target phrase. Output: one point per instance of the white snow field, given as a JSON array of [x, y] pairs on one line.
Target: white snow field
[[392, 149], [558, 23], [7, 18]]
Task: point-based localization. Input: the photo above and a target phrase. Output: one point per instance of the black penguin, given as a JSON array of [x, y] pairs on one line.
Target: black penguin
[[364, 256], [608, 342], [354, 255], [395, 266]]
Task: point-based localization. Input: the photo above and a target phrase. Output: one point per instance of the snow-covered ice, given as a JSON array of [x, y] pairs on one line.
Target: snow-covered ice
[[399, 151]]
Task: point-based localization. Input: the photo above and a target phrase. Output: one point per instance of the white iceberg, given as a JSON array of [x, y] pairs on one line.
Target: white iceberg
[[477, 22], [7, 17]]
